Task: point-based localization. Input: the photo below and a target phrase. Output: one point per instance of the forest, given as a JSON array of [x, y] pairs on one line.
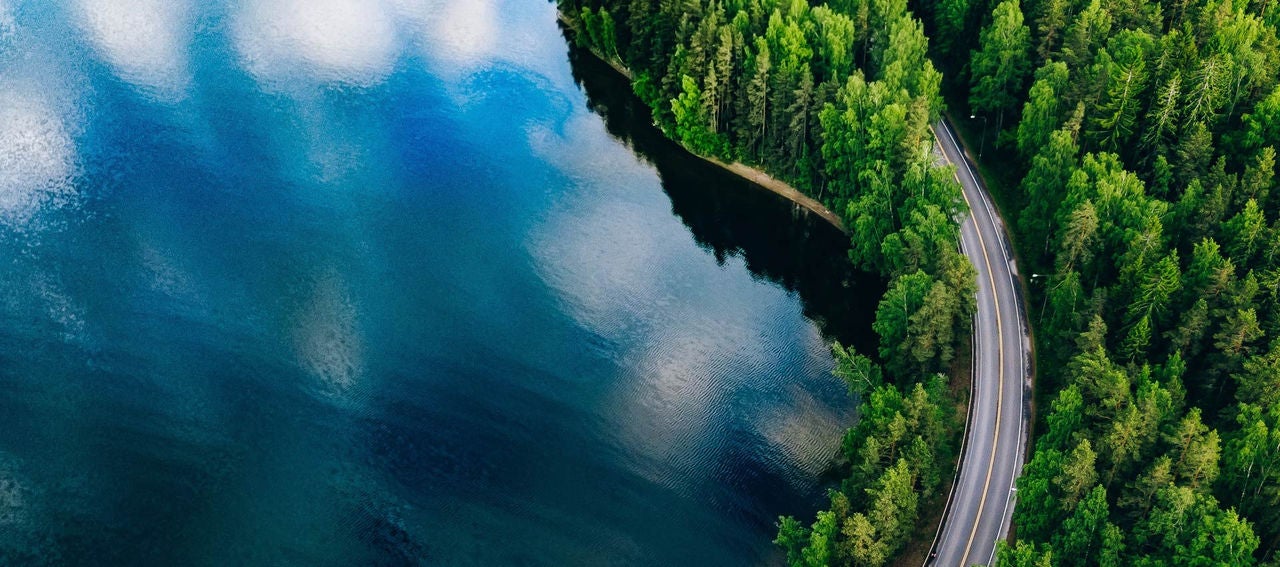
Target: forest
[[1133, 150], [1141, 137], [837, 100]]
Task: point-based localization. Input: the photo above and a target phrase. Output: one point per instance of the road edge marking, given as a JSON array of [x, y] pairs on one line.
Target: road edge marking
[[995, 300]]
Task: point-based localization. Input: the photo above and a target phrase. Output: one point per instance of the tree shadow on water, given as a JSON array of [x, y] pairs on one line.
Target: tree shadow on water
[[730, 216]]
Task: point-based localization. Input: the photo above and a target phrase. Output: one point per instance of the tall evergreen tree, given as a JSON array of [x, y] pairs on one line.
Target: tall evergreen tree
[[1000, 65]]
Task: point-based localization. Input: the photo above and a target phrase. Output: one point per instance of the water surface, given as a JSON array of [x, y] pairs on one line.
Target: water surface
[[386, 282]]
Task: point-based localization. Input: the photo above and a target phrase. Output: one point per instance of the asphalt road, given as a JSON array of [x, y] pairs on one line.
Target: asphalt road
[[981, 503]]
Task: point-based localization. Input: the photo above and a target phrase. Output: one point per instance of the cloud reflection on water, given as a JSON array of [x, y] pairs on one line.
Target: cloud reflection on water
[[459, 33], [350, 42], [327, 338], [613, 265], [624, 266], [37, 156], [7, 24], [460, 39], [145, 41]]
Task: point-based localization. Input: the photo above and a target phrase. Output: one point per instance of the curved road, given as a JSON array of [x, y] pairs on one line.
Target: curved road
[[981, 502]]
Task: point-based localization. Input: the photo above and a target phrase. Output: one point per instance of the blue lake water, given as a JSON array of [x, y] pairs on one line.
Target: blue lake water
[[338, 282]]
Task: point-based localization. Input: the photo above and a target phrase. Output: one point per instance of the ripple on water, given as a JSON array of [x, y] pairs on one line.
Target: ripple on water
[[327, 340], [7, 25], [37, 158], [12, 499], [262, 361], [16, 502], [145, 41], [342, 41]]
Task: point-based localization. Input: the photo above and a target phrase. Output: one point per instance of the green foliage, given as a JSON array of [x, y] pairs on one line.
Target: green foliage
[[895, 456], [1022, 554], [1045, 186], [918, 320], [1154, 208], [1086, 535], [951, 17], [1145, 152], [1262, 125], [1043, 112], [859, 372], [839, 98], [1115, 118], [1001, 64], [600, 32], [1251, 465], [691, 121], [792, 537]]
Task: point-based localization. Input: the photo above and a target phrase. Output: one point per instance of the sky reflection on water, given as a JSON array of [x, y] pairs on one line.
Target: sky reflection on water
[[349, 282]]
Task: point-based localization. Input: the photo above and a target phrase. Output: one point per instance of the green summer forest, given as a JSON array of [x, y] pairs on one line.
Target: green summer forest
[[1132, 147], [839, 102]]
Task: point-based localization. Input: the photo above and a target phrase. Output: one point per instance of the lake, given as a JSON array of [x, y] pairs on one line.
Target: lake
[[339, 282]]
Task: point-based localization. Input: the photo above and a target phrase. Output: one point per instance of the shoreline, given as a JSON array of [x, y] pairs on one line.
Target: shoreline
[[764, 180], [755, 176]]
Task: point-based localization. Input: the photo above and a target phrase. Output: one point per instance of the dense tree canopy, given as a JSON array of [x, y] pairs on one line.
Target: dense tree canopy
[[837, 99], [1141, 139], [1146, 151]]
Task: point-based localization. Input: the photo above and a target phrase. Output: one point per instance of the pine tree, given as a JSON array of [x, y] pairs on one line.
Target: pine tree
[[859, 372], [950, 18], [1117, 113], [1001, 63], [1045, 185], [1041, 116], [1090, 27], [1079, 474], [1049, 23], [1195, 451], [1259, 380], [1262, 125], [1245, 233], [1080, 538], [757, 98], [1162, 117], [1251, 467], [1195, 151]]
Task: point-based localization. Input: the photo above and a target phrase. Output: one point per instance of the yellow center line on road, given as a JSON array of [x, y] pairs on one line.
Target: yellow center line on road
[[995, 299]]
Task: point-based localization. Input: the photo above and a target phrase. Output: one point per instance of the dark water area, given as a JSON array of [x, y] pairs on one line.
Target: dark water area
[[348, 282], [728, 215]]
